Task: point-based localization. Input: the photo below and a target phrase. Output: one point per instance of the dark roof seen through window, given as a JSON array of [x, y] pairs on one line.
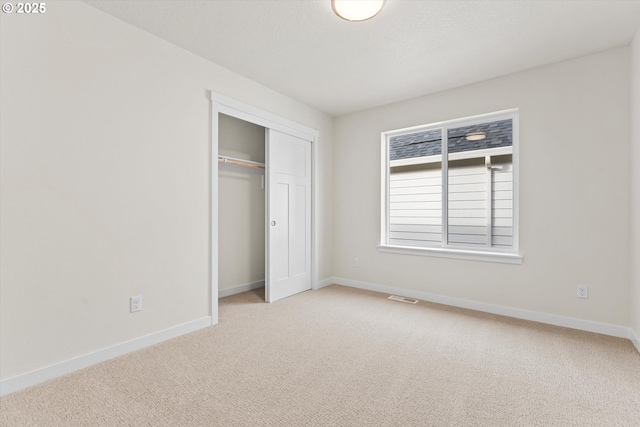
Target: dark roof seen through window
[[428, 143]]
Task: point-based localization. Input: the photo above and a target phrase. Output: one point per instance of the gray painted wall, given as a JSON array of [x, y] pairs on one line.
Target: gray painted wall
[[105, 171], [635, 186], [574, 146]]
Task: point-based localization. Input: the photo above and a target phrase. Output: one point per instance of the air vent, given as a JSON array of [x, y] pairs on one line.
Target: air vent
[[403, 299]]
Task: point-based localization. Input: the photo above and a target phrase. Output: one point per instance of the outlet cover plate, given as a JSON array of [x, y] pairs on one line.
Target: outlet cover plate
[[583, 291], [136, 303]]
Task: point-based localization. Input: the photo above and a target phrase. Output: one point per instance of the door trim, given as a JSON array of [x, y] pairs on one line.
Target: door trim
[[234, 108]]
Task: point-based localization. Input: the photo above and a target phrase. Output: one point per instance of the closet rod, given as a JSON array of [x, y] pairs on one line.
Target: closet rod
[[240, 162]]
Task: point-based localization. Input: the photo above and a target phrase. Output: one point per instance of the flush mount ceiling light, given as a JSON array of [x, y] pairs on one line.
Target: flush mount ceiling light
[[475, 136], [357, 10]]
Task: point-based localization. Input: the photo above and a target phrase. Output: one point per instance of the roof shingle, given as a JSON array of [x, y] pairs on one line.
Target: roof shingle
[[428, 143]]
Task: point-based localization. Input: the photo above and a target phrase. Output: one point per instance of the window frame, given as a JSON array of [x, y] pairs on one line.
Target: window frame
[[510, 255]]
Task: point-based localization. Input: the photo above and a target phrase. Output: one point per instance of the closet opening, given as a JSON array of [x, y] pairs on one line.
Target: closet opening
[[263, 236], [241, 206]]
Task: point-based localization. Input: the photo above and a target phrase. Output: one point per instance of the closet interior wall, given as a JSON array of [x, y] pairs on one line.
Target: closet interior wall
[[241, 207]]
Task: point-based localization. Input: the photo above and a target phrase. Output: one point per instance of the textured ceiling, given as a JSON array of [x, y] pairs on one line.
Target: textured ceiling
[[412, 48]]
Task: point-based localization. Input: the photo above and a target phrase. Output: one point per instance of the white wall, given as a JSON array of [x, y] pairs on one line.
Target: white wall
[[105, 162], [635, 186], [574, 192], [241, 205]]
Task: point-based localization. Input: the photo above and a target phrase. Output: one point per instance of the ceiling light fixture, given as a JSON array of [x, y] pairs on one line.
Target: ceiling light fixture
[[475, 136], [357, 10]]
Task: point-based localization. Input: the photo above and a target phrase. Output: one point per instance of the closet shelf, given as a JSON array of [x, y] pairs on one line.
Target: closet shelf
[[240, 162]]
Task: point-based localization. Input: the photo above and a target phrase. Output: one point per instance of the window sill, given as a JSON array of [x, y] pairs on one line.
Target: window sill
[[503, 257]]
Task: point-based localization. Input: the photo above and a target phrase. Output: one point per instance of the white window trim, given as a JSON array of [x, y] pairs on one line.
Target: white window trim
[[489, 254], [469, 254]]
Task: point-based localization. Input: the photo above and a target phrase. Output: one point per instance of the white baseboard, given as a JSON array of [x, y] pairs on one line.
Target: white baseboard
[[38, 376], [239, 289], [325, 282], [518, 313], [635, 339]]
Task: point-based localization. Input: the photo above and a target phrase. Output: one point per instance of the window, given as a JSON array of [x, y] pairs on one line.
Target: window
[[451, 188]]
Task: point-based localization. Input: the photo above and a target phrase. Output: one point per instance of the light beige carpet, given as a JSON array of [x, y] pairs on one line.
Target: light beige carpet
[[345, 357]]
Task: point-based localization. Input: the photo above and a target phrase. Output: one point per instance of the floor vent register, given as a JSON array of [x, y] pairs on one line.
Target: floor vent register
[[403, 299]]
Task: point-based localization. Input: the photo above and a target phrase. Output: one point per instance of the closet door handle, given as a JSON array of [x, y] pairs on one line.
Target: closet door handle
[[273, 223]]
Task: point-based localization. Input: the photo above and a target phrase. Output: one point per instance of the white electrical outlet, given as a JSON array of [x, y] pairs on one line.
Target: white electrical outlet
[[583, 291], [136, 303], [356, 263]]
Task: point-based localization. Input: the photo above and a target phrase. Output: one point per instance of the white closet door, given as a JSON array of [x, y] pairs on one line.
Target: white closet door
[[288, 215]]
